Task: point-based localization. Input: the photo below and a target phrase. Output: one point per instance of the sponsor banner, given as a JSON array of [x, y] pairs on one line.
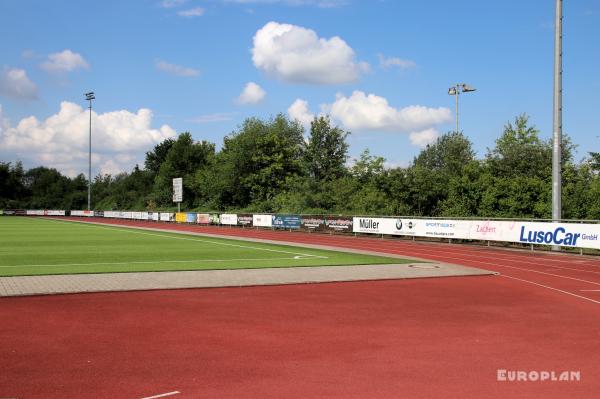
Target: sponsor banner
[[203, 218], [339, 223], [245, 220], [190, 217], [214, 218], [143, 215], [99, 214], [565, 234], [443, 228], [82, 213], [9, 212], [262, 220], [229, 219], [390, 226], [19, 212], [313, 222], [153, 216], [55, 213], [34, 212], [166, 217], [287, 221], [180, 217]]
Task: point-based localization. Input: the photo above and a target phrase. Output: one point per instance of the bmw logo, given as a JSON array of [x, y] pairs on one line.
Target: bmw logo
[[398, 224]]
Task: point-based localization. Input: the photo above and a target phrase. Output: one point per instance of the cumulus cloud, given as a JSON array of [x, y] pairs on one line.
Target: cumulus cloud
[[119, 139], [15, 84], [296, 54], [176, 70], [371, 112], [424, 137], [192, 12], [395, 62], [65, 61], [299, 111], [252, 94]]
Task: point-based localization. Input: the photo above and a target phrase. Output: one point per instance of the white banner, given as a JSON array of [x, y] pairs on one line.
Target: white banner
[[262, 220], [177, 189], [82, 213], [581, 235], [229, 218], [34, 212], [166, 217], [55, 213]]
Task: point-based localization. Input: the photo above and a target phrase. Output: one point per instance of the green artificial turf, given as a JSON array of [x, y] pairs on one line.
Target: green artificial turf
[[33, 246]]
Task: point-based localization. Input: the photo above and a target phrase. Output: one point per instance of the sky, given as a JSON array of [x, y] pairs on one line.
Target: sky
[[380, 69]]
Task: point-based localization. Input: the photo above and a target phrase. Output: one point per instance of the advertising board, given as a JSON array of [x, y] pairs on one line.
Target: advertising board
[[314, 223], [190, 217], [229, 219], [203, 218], [214, 218], [286, 221], [166, 217], [180, 217], [244, 220], [339, 224], [262, 220]]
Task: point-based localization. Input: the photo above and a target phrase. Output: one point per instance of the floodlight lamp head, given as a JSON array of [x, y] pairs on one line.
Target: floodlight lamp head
[[90, 96], [466, 88], [452, 91]]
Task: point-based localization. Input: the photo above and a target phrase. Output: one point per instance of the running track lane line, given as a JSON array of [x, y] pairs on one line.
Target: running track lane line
[[162, 395], [551, 288], [443, 257]]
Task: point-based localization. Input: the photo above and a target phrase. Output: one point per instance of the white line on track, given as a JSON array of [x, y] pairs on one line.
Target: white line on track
[[462, 260], [160, 261], [162, 395], [551, 288], [137, 231], [590, 290]]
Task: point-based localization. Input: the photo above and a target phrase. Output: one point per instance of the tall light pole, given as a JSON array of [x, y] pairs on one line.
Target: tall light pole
[[557, 120], [89, 97], [455, 91]]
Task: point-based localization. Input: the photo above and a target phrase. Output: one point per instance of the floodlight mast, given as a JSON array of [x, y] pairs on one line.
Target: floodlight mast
[[557, 121], [89, 97], [455, 91]]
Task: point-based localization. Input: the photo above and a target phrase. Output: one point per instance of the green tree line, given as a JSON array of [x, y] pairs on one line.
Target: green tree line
[[270, 166]]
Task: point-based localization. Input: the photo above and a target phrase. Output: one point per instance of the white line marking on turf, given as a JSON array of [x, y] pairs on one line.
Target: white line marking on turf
[[160, 261], [551, 288], [162, 395], [133, 230]]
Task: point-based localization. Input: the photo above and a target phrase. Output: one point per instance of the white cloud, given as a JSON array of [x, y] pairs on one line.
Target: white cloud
[[119, 139], [252, 94], [176, 70], [65, 61], [15, 84], [192, 12], [395, 62], [371, 112], [424, 137], [172, 3], [299, 111], [296, 54]]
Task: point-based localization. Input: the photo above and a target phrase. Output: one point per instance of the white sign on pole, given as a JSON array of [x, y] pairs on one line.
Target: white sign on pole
[[178, 189]]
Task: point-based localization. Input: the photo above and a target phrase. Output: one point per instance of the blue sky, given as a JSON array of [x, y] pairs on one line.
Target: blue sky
[[381, 69]]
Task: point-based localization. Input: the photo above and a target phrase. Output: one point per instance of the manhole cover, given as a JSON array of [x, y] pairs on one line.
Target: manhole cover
[[424, 266]]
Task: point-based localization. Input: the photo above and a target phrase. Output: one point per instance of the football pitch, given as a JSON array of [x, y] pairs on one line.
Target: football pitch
[[32, 246]]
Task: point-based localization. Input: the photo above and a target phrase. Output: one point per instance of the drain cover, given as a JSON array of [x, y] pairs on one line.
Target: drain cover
[[424, 266]]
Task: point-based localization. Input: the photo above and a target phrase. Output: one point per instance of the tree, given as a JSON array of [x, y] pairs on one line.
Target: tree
[[183, 159], [326, 152], [449, 154], [256, 161], [156, 157]]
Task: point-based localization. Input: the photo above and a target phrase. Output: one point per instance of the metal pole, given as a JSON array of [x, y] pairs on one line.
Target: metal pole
[[90, 163], [557, 122], [457, 94]]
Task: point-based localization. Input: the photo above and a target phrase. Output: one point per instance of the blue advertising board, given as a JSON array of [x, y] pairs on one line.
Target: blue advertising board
[[287, 221]]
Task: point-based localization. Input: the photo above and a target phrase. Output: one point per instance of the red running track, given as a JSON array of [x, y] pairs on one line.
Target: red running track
[[426, 338]]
